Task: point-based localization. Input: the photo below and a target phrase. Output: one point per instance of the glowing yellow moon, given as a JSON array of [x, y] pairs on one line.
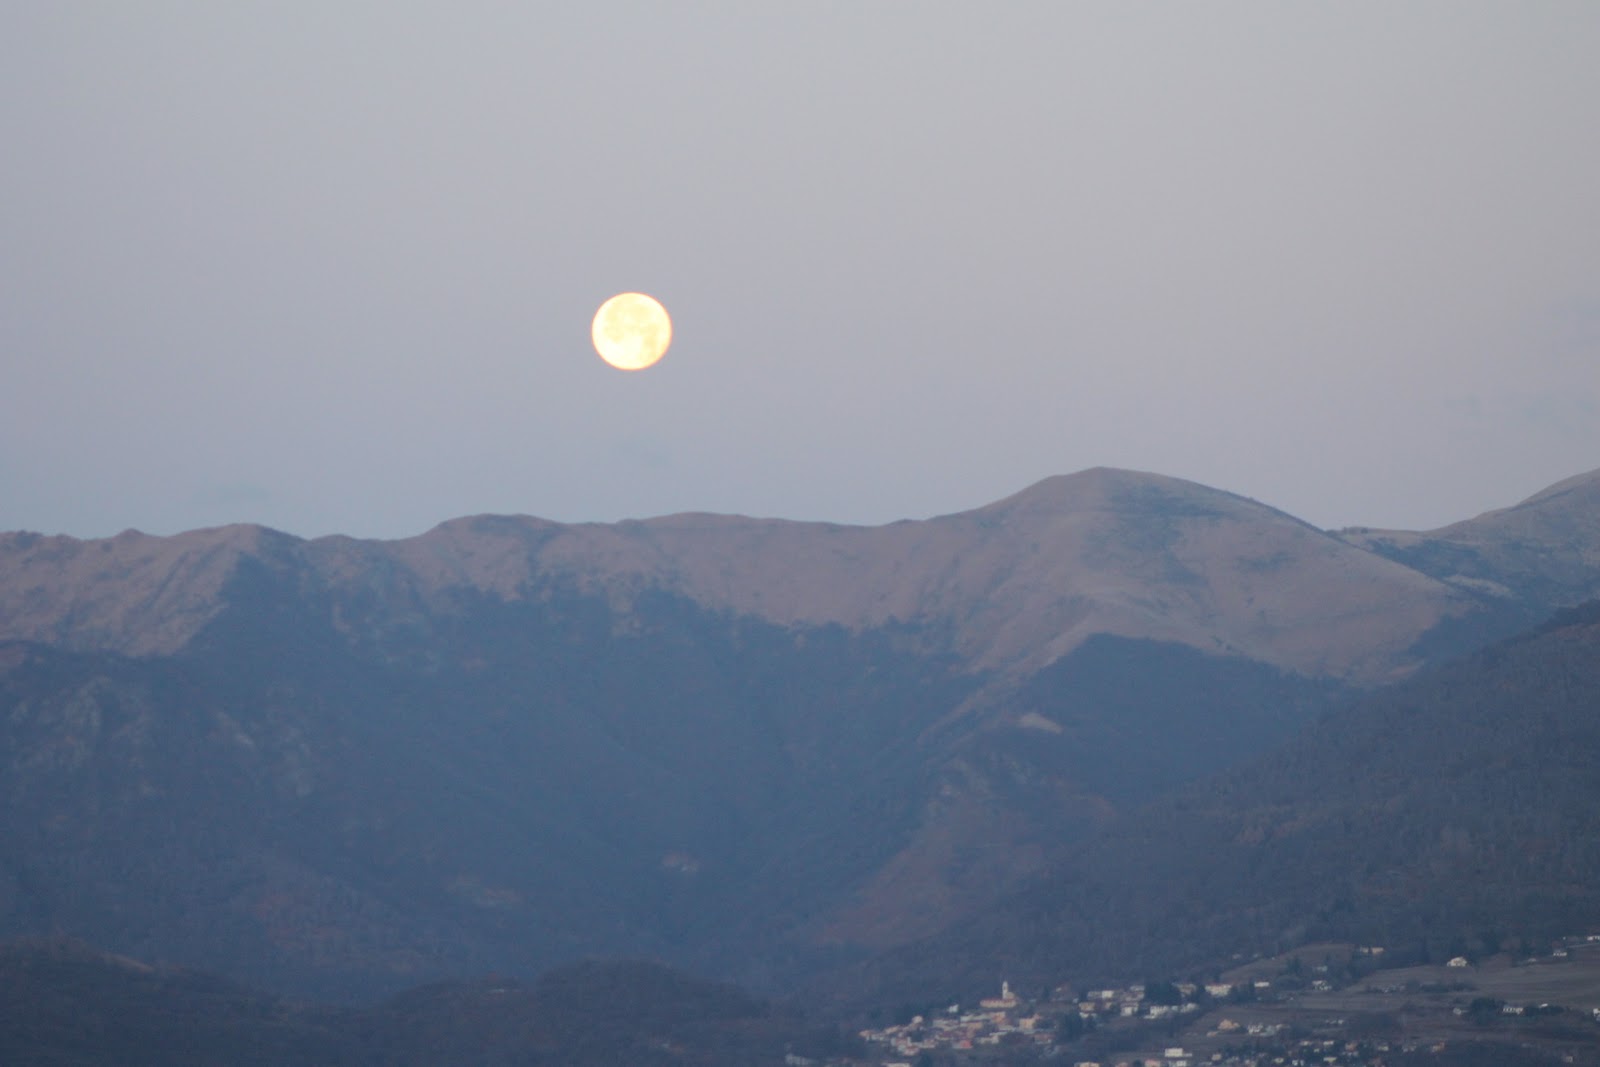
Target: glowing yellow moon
[[632, 331]]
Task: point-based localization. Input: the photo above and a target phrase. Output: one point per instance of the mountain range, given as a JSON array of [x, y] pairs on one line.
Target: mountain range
[[1007, 588], [1451, 815], [764, 750]]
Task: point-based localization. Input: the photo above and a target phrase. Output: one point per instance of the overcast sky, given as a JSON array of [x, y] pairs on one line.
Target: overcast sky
[[331, 266]]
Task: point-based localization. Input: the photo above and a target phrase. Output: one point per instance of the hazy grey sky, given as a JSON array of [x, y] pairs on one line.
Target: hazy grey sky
[[331, 266]]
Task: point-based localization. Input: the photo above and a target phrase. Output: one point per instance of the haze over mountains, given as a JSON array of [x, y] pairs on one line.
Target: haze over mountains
[[762, 749]]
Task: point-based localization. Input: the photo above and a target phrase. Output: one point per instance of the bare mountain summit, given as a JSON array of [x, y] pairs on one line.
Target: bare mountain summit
[[1542, 553]]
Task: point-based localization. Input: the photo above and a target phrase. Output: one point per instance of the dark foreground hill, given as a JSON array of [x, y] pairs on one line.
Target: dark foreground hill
[[1451, 814], [62, 1003]]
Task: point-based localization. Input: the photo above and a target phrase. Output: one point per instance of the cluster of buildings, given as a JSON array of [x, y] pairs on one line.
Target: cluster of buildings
[[1135, 1001], [1050, 1025], [996, 1020], [1307, 1052], [1004, 1019], [1313, 1052]]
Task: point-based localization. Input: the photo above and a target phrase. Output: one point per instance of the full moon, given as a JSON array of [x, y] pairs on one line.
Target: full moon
[[632, 331]]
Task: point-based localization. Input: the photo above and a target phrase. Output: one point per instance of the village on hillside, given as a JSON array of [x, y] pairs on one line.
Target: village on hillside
[[1342, 1011]]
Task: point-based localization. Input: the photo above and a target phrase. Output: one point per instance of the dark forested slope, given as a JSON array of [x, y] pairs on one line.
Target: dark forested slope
[[530, 787], [1448, 814], [63, 1004]]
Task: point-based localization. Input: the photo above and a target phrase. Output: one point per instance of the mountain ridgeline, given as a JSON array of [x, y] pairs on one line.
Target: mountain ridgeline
[[762, 750]]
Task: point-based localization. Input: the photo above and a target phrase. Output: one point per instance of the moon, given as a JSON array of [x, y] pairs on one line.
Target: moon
[[632, 331]]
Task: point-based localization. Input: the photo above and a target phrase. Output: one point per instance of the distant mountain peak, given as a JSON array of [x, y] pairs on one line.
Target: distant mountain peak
[[1133, 493], [1585, 485], [1095, 485]]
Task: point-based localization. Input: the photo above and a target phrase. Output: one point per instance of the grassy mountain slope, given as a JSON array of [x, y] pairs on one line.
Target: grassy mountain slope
[[1538, 555]]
